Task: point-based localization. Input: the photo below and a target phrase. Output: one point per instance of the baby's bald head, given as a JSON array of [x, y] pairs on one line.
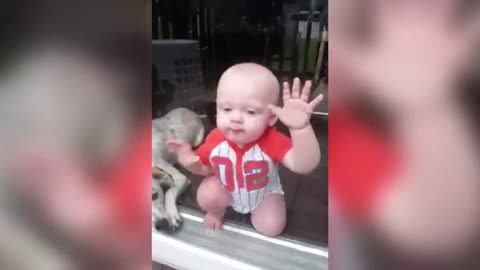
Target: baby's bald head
[[247, 77], [243, 95]]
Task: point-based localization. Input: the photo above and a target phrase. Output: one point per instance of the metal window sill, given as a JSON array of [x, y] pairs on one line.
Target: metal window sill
[[234, 247]]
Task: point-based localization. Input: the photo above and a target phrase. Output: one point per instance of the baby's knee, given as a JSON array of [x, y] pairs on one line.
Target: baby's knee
[[270, 226], [212, 195], [271, 229]]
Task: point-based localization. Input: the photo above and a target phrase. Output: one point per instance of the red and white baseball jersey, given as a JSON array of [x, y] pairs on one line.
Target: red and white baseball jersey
[[249, 173]]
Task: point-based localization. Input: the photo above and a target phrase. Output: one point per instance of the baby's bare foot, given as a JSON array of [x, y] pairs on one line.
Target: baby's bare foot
[[213, 221]]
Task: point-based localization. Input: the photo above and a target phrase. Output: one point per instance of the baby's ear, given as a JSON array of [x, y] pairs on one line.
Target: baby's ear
[[272, 120]]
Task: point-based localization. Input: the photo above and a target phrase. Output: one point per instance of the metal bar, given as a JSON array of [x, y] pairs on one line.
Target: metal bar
[[170, 29], [281, 55], [296, 47], [155, 20], [199, 35], [206, 43], [267, 44], [308, 38], [205, 23], [190, 28], [320, 113], [321, 50], [159, 22], [212, 29]]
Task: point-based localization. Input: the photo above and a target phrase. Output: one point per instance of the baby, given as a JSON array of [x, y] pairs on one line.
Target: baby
[[244, 150]]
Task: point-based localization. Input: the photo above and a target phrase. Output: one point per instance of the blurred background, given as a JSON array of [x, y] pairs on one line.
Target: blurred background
[[403, 134], [75, 136]]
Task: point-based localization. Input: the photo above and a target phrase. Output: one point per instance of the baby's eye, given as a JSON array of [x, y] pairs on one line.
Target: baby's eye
[[227, 109], [251, 112]]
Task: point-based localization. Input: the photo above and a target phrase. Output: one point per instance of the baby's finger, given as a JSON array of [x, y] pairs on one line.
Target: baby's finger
[[191, 161], [306, 91], [314, 103], [286, 91], [296, 88], [174, 144]]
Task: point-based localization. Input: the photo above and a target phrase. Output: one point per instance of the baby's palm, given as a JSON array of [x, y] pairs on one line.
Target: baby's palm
[[183, 152], [296, 111], [415, 54]]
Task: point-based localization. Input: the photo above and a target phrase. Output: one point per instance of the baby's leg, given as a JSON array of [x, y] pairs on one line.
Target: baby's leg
[[269, 218], [214, 199]]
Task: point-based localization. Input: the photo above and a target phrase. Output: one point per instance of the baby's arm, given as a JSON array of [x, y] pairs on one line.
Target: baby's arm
[[198, 168], [305, 155], [188, 158]]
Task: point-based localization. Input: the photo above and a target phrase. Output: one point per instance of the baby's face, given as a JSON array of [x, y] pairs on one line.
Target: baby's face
[[242, 112]]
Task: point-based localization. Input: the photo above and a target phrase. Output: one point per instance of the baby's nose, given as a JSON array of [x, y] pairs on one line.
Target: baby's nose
[[236, 117]]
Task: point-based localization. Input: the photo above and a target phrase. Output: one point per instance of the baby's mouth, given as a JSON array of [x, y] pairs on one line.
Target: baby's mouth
[[236, 131]]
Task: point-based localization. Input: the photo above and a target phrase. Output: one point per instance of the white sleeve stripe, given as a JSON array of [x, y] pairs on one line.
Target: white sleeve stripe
[[248, 193]]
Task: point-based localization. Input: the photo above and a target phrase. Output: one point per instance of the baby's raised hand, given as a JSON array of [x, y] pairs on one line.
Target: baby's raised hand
[[296, 110], [417, 50], [183, 151]]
